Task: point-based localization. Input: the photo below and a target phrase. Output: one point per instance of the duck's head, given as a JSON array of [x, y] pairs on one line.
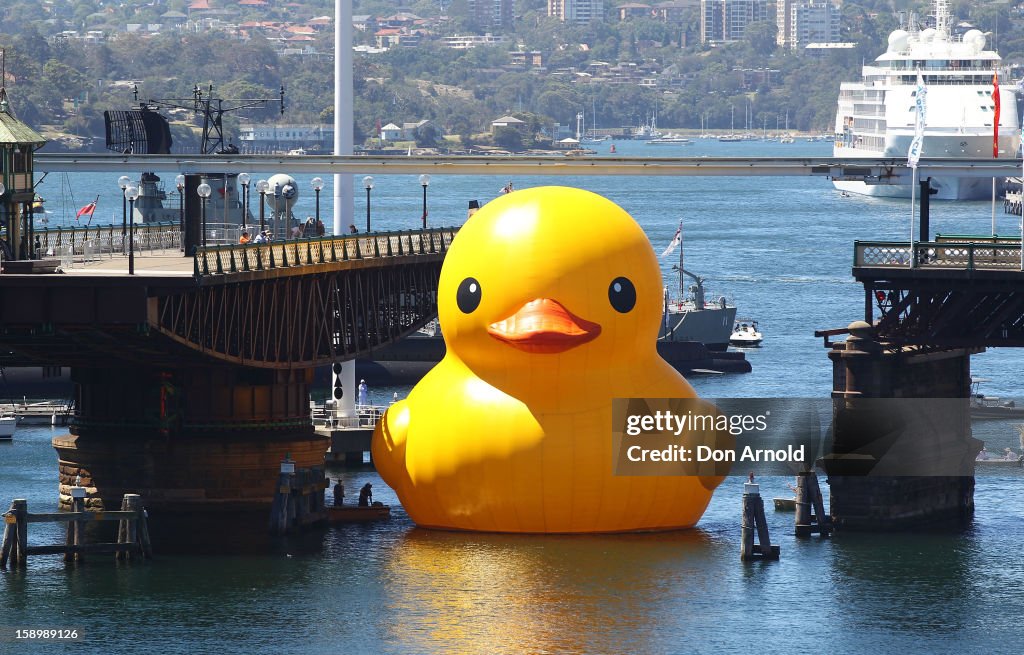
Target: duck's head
[[550, 281]]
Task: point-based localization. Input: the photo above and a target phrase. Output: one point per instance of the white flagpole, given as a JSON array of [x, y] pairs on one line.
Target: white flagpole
[[913, 196], [993, 206]]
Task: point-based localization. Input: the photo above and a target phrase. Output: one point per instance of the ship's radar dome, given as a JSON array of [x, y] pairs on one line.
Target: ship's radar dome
[[975, 41], [898, 40], [287, 192], [928, 35]]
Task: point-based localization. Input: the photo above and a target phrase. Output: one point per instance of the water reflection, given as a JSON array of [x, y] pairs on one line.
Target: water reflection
[[883, 580], [458, 592]]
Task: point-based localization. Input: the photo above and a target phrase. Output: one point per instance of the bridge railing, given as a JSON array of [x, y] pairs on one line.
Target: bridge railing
[[239, 258], [91, 242], [998, 253]]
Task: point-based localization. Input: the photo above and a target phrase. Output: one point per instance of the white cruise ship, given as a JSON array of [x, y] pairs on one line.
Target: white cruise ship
[[876, 116]]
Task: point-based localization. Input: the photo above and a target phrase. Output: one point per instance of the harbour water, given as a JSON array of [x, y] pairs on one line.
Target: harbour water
[[782, 249]]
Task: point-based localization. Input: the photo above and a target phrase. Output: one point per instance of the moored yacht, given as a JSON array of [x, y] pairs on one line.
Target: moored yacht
[[876, 116]]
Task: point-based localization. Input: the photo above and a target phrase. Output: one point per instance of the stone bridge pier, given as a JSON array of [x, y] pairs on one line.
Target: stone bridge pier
[[202, 437]]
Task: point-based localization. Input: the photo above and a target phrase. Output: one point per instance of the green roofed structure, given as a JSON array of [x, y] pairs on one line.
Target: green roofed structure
[[18, 143]]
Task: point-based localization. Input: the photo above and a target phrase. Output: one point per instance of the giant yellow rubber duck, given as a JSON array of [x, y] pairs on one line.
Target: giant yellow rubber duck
[[549, 301]]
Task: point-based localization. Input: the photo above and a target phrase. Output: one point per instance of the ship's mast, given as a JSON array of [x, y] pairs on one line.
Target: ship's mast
[[942, 20]]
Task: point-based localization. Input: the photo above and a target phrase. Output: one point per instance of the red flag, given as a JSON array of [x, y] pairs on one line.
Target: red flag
[[995, 125], [86, 211]]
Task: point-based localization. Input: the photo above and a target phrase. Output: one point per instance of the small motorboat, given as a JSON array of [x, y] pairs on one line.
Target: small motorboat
[[1008, 458], [8, 424], [986, 407], [356, 514], [785, 504], [746, 334]]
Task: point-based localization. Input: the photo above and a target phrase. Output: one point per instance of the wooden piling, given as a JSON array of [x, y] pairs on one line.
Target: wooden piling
[[298, 501], [810, 507], [10, 537], [20, 507], [754, 520], [147, 545], [76, 529]]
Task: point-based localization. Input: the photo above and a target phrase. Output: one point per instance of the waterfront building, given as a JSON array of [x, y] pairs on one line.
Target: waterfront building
[[468, 41], [801, 22], [725, 21], [491, 13], [576, 11], [18, 143], [633, 10], [285, 136]]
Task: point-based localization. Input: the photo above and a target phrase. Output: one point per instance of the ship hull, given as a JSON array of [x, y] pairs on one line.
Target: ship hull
[[947, 187]]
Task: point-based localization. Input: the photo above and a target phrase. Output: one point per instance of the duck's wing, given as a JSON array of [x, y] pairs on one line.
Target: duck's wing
[[388, 444]]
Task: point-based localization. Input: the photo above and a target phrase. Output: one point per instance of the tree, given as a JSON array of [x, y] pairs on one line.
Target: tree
[[760, 36], [427, 136], [508, 138]]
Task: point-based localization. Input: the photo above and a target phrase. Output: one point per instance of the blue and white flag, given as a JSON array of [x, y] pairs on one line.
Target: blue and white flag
[[914, 154]]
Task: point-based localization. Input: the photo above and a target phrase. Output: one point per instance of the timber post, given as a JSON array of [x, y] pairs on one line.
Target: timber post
[[754, 520], [810, 507]]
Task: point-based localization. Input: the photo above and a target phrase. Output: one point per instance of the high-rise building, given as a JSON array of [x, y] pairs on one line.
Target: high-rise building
[[807, 21], [725, 21], [576, 11], [491, 13]]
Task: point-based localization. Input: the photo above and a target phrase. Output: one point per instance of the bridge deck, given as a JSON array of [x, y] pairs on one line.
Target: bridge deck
[[289, 304], [957, 291]]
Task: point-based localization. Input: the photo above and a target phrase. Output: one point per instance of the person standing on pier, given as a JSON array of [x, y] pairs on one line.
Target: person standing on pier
[[363, 393], [366, 495]]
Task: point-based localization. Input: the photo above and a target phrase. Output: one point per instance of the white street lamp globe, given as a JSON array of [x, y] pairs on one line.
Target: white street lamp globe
[[243, 179], [132, 193], [316, 183], [424, 179], [179, 181], [124, 181], [368, 182], [204, 190], [262, 186]]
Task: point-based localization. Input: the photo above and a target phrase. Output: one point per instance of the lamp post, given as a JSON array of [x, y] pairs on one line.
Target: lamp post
[[131, 193], [204, 192], [277, 196], [317, 184], [262, 186], [243, 179], [179, 182], [368, 185], [123, 182], [3, 205], [424, 182]]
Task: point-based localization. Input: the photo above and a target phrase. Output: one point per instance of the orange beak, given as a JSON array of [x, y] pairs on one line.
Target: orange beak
[[544, 326]]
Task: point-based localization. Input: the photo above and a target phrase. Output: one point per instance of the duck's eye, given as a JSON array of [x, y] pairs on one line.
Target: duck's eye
[[622, 294], [468, 295]]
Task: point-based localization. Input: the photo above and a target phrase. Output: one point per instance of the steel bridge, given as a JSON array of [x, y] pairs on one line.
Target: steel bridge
[[294, 304]]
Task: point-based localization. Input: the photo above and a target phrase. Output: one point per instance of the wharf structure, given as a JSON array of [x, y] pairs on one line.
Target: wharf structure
[[928, 306]]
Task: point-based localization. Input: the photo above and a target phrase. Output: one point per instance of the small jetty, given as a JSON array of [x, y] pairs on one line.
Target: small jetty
[[40, 411], [356, 514], [132, 534]]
